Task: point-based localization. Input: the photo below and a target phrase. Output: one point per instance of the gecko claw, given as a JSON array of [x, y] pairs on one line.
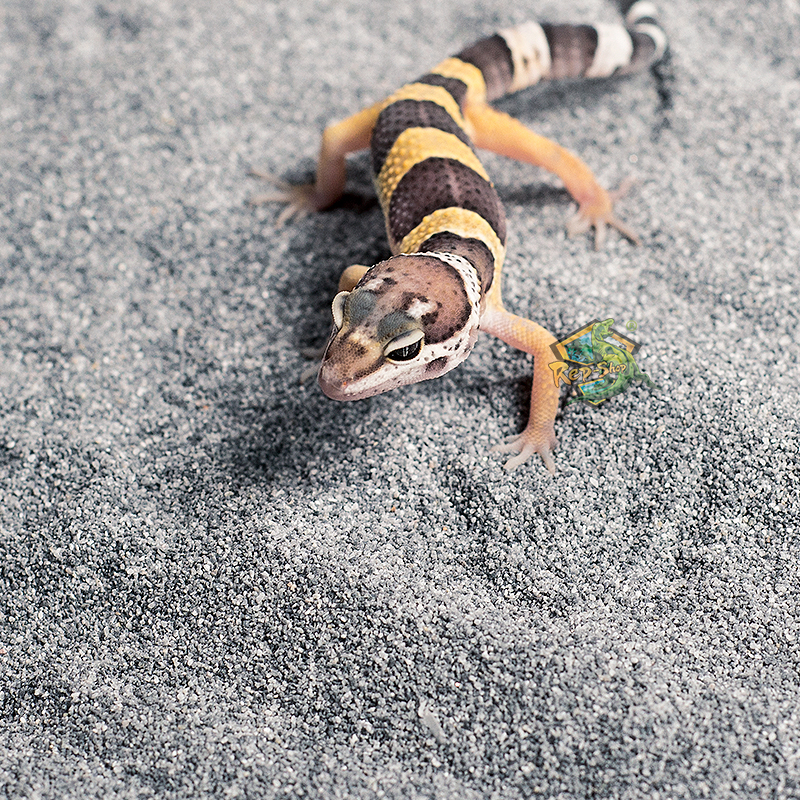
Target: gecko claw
[[599, 215], [299, 199], [525, 444]]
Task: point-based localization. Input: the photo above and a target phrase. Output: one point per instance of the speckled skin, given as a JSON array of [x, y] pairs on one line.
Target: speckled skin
[[417, 315]]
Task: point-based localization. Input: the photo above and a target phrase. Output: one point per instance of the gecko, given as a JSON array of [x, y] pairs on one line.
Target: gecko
[[417, 314]]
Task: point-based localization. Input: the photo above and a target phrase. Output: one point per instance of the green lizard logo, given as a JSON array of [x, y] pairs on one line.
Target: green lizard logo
[[598, 368]]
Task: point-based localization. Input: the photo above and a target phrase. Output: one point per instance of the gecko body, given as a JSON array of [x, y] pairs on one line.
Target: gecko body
[[417, 314]]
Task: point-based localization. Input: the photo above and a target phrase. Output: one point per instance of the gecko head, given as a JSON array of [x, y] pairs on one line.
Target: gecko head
[[410, 318]]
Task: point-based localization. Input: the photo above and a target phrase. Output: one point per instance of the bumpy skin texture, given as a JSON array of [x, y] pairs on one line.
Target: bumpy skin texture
[[417, 315]]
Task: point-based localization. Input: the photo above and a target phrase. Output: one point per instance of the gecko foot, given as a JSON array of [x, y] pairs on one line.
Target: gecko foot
[[599, 214], [541, 440], [299, 199]]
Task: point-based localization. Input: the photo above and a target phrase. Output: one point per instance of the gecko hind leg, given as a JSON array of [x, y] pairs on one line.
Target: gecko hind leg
[[582, 221], [299, 199], [338, 140], [497, 131]]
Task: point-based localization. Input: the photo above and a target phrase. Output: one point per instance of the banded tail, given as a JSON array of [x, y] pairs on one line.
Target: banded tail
[[515, 58]]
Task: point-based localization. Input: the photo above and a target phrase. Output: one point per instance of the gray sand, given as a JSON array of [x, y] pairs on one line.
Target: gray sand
[[215, 582]]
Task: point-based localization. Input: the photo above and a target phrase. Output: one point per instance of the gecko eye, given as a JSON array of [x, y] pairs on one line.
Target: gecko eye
[[337, 308], [407, 353], [405, 347]]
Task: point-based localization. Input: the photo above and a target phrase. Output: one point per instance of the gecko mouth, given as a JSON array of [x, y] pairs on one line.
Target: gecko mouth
[[337, 389], [333, 389], [359, 386]]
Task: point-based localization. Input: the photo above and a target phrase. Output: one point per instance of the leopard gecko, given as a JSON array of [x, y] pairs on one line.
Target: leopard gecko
[[417, 314]]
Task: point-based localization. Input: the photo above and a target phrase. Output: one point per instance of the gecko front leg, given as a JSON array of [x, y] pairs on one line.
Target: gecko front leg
[[539, 434]]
